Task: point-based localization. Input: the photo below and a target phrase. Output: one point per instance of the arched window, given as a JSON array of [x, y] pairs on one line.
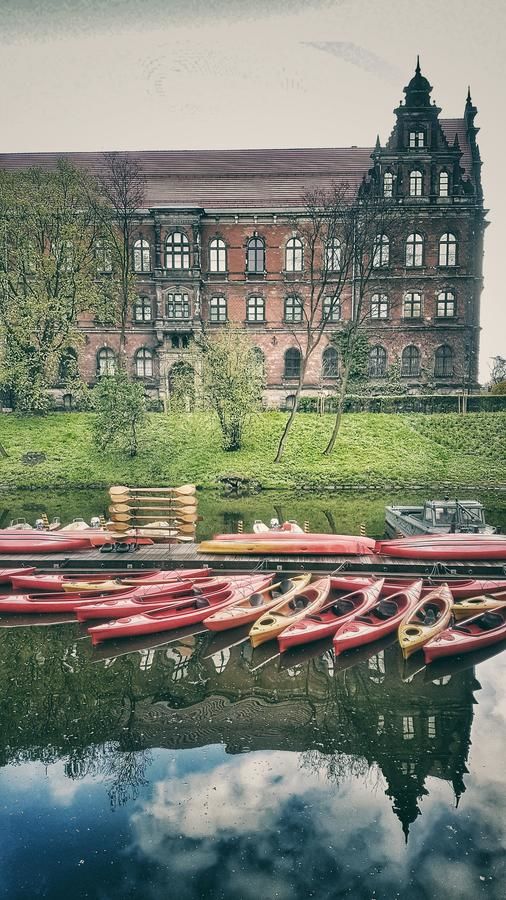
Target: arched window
[[289, 401], [106, 361], [377, 362], [144, 363], [443, 362], [415, 183], [410, 361], [142, 256], [414, 250], [217, 309], [177, 306], [217, 255], [445, 305], [388, 184], [443, 184], [330, 363], [412, 305], [255, 257], [255, 309], [331, 309], [103, 257], [293, 309], [379, 306], [333, 255], [294, 255], [448, 250], [177, 251], [416, 139], [381, 251], [292, 363], [143, 310]]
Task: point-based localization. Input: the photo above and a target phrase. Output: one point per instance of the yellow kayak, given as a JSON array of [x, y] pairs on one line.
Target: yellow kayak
[[431, 615], [82, 586], [305, 602], [476, 605]]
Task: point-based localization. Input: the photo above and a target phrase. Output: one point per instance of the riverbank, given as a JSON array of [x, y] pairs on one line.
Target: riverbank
[[375, 451]]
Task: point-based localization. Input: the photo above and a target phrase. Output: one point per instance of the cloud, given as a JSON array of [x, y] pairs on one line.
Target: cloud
[[360, 57]]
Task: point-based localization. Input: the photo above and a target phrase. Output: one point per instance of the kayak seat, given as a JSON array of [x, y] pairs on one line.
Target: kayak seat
[[201, 603], [385, 609], [196, 592], [256, 600], [315, 618], [285, 586], [298, 603], [489, 620], [342, 607]]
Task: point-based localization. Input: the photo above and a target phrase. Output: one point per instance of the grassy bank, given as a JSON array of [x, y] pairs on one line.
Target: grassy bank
[[375, 451]]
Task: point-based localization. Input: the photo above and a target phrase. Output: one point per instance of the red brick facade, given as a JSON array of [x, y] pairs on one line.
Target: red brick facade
[[429, 166]]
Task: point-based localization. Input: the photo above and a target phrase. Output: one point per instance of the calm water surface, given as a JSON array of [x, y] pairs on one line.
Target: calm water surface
[[201, 768]]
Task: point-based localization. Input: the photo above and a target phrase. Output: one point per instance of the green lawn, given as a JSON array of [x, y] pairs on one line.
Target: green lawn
[[374, 450]]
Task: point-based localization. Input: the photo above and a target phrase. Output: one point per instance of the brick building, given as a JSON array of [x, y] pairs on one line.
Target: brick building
[[217, 242]]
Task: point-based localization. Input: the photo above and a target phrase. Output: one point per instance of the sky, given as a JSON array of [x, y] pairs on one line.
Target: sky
[[166, 74]]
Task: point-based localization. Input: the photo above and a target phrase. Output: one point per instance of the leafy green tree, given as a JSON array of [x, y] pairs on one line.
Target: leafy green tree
[[47, 276], [233, 380], [120, 408]]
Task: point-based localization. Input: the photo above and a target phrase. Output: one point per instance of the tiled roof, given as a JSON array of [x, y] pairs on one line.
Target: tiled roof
[[235, 179], [451, 127]]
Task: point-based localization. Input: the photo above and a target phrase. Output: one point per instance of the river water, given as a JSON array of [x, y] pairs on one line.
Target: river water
[[192, 766]]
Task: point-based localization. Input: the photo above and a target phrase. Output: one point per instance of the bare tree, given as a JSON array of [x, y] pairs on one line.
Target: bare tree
[[374, 222], [122, 188], [324, 229]]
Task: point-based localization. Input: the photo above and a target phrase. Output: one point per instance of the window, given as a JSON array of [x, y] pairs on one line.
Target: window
[[376, 666], [177, 251], [294, 255], [142, 310], [416, 139], [333, 255], [408, 728], [142, 256], [255, 309], [292, 363], [331, 309], [217, 256], [330, 363], [414, 250], [443, 362], [178, 306], [431, 727], [103, 257], [377, 362], [445, 305], [144, 363], [415, 183], [255, 257], [106, 361], [410, 361], [63, 252], [293, 309], [217, 309], [379, 306], [448, 250], [388, 184], [443, 184], [260, 359], [412, 306], [381, 251]]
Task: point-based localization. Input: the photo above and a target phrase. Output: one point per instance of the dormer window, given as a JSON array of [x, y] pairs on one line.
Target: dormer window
[[416, 139]]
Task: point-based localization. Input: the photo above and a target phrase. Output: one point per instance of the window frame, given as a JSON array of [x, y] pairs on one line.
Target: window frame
[[416, 183], [296, 354], [330, 351], [254, 303], [177, 250], [377, 353], [255, 255], [333, 314], [388, 192], [408, 370], [446, 191], [294, 255], [447, 250], [446, 298], [175, 299], [218, 306], [217, 255], [106, 355], [414, 142], [409, 301], [441, 361], [333, 255], [414, 251], [141, 249], [144, 355], [381, 252], [381, 303], [293, 304], [141, 304]]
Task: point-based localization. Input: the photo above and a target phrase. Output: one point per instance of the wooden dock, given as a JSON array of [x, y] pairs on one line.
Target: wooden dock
[[185, 556]]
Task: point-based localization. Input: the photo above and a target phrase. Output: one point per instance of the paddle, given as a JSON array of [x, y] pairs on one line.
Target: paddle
[[182, 491], [176, 512], [122, 497], [127, 517], [125, 529], [163, 512]]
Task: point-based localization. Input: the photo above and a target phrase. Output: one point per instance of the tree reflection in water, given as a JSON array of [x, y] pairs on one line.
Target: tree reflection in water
[[354, 717]]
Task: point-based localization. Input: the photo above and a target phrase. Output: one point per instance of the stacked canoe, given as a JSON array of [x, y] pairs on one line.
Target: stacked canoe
[[161, 514]]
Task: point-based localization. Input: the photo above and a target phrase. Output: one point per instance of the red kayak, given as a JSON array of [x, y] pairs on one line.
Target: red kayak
[[480, 631], [41, 582], [177, 616], [325, 622], [461, 588], [61, 602], [445, 546], [120, 606], [7, 575], [24, 541], [379, 621]]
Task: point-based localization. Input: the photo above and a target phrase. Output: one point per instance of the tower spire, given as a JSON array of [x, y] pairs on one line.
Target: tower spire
[[417, 70]]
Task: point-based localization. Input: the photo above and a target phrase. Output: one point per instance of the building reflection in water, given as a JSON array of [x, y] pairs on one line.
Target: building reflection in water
[[103, 712]]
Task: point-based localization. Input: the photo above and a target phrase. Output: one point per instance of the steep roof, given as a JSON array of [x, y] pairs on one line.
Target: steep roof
[[235, 179]]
